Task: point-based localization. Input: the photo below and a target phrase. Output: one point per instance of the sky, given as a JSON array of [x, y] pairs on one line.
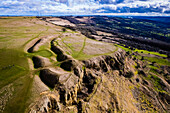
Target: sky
[[85, 7]]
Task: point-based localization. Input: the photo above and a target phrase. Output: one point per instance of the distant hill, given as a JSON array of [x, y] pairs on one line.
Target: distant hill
[[158, 19]]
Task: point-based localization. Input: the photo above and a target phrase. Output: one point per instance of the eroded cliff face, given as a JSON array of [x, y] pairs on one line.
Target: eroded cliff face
[[105, 83]]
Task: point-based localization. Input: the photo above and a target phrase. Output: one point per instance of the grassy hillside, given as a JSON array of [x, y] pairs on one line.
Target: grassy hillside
[[41, 61], [15, 73]]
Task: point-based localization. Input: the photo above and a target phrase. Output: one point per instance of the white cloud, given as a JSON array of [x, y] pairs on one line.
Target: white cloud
[[82, 6]]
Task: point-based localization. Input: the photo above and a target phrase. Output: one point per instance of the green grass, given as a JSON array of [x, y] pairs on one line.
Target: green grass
[[124, 48], [154, 69], [14, 71], [158, 60], [130, 28], [43, 53], [44, 46], [21, 96], [15, 33], [10, 74], [142, 51], [146, 103], [46, 29], [156, 82], [149, 52]]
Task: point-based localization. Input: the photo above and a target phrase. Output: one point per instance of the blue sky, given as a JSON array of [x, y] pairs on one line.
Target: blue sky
[[84, 7]]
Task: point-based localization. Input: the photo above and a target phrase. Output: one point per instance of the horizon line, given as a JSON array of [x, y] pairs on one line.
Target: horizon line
[[95, 14]]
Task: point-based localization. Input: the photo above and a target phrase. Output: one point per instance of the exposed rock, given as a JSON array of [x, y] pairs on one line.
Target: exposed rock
[[46, 104], [101, 84], [102, 62]]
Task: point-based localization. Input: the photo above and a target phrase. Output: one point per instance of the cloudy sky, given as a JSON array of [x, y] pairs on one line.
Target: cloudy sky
[[84, 7]]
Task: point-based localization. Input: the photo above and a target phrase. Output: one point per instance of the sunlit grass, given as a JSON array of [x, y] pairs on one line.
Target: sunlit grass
[[150, 52], [142, 51], [158, 60], [43, 53]]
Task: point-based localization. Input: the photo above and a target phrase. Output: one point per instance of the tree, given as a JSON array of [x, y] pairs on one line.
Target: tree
[[64, 29]]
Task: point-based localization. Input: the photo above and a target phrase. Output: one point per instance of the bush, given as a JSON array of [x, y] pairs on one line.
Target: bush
[[64, 29], [153, 63], [129, 74], [142, 72]]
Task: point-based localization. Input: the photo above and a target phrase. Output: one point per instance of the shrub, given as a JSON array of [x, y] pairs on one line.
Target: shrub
[[129, 74], [64, 29], [153, 63], [142, 72]]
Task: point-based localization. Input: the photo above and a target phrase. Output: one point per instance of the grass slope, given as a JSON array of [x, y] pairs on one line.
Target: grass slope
[[15, 79]]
